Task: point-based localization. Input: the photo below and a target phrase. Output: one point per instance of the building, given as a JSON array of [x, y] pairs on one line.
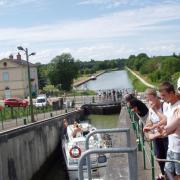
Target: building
[[14, 78]]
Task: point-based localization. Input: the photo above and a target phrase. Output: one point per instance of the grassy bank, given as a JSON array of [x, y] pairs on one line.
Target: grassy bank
[[137, 84]]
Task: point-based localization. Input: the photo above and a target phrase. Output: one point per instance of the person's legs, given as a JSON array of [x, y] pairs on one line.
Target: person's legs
[[170, 166], [177, 166], [160, 152]]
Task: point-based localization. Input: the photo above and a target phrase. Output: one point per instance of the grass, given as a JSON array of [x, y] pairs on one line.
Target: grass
[[146, 78], [137, 84]]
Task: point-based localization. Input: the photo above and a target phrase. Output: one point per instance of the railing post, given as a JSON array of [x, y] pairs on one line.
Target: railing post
[[143, 147], [152, 161], [2, 120], [133, 167]]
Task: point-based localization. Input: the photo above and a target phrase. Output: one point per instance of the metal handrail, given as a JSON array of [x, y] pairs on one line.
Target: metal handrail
[[126, 130], [132, 153], [141, 143]]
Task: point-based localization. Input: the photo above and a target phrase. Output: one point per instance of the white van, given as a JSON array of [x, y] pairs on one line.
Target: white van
[[41, 101]]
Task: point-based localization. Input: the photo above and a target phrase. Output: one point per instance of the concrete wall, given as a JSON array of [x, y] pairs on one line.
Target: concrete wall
[[111, 108], [24, 150]]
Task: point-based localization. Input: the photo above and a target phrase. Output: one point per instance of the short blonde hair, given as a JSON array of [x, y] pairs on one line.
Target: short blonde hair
[[151, 91]]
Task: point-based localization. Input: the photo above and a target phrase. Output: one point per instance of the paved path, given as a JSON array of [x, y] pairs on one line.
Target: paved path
[[141, 79]]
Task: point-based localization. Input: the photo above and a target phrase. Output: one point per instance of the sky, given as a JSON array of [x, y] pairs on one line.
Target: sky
[[89, 29]]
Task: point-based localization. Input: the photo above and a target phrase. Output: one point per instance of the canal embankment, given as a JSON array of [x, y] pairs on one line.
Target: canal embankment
[[25, 149], [87, 79]]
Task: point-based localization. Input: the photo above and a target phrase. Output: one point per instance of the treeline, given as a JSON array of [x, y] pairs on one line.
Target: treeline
[[90, 67], [63, 69], [157, 69]]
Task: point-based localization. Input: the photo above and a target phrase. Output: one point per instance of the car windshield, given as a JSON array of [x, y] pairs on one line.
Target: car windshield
[[41, 100]]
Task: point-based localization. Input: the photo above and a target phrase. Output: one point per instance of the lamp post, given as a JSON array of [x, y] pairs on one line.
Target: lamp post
[[29, 80]]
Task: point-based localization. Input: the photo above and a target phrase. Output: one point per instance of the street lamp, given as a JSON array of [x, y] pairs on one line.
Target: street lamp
[[29, 81]]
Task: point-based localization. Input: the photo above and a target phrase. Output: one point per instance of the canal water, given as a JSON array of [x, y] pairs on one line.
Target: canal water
[[109, 80]]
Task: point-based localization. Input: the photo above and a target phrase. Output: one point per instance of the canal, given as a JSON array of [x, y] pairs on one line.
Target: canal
[[111, 80]]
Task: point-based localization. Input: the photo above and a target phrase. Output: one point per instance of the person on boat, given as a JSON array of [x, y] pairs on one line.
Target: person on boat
[[65, 125], [157, 111], [76, 130]]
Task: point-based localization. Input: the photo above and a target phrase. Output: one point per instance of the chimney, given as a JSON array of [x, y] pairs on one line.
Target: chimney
[[11, 56], [18, 57]]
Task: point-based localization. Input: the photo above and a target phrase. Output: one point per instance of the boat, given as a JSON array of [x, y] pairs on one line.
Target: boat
[[93, 77], [74, 146]]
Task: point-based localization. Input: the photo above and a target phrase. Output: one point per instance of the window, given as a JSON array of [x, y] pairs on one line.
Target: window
[[5, 64], [5, 76]]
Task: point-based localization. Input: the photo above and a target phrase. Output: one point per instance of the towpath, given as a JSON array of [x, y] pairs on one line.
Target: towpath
[[141, 79]]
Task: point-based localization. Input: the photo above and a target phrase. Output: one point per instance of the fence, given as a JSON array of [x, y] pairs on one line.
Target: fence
[[146, 146], [16, 116]]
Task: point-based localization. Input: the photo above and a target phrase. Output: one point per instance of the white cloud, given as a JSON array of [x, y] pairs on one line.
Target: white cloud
[[97, 33], [119, 24]]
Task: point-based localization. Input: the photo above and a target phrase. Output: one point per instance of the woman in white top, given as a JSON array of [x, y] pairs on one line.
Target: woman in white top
[[157, 117]]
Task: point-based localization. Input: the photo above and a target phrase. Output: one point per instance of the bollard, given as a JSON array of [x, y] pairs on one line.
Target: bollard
[[93, 100], [51, 114], [65, 110], [25, 122]]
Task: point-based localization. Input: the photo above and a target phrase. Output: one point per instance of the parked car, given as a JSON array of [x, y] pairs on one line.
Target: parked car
[[41, 101], [15, 102]]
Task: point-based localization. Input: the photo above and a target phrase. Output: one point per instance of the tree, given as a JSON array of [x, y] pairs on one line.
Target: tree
[[63, 70], [42, 71]]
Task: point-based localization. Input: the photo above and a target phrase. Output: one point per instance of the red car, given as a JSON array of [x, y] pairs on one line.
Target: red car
[[15, 102]]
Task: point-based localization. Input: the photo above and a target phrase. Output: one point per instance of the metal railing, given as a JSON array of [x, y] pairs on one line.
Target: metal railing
[[132, 159], [126, 130], [132, 154], [11, 117], [142, 146]]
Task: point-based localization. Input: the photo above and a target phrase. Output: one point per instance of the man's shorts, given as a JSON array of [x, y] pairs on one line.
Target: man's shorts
[[173, 167]]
